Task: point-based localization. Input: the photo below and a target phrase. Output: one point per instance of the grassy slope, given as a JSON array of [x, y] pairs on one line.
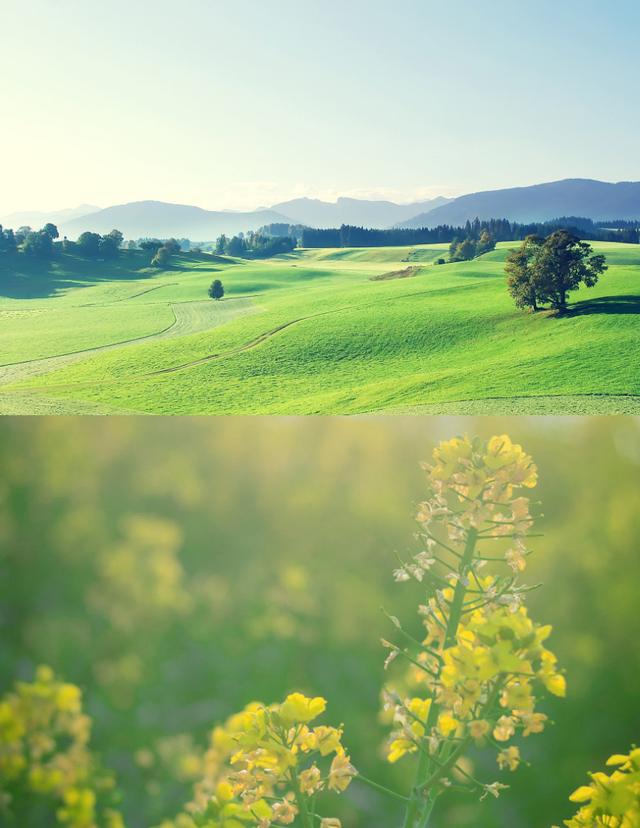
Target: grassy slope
[[323, 338]]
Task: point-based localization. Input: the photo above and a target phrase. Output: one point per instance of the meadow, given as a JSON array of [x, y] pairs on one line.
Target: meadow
[[177, 569], [344, 331]]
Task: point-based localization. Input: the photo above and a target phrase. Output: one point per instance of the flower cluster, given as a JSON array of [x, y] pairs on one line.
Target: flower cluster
[[266, 766], [44, 753], [476, 671], [610, 800]]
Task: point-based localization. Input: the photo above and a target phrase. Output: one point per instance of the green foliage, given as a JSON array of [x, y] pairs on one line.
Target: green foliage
[[562, 264], [161, 257], [519, 267], [7, 240], [51, 230], [254, 245], [38, 243], [471, 247], [163, 251], [547, 270], [216, 289]]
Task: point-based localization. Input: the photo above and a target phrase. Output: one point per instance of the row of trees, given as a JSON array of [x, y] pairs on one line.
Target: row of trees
[[498, 229], [94, 245], [40, 243], [33, 242], [254, 245], [547, 270], [281, 229]]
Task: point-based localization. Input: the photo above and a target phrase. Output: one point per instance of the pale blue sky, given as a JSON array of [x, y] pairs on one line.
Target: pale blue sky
[[244, 103]]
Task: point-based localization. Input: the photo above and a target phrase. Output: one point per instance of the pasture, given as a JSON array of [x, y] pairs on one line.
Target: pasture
[[345, 331]]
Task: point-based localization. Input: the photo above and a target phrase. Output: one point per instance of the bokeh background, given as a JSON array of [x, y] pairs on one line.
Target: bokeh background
[[178, 568]]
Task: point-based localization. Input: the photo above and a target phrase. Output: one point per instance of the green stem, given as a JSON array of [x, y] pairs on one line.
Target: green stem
[[307, 820], [381, 788], [419, 810]]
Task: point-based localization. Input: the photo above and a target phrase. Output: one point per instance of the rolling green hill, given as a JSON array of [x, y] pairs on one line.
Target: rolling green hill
[[312, 332]]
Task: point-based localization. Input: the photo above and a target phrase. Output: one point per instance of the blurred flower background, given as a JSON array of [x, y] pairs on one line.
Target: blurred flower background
[[177, 569]]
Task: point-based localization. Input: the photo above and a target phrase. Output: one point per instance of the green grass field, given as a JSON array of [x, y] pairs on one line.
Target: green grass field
[[314, 332]]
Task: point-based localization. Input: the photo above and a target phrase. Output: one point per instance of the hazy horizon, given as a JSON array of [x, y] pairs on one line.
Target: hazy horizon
[[240, 106]]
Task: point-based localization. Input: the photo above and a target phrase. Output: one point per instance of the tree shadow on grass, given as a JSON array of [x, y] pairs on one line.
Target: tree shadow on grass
[[623, 304]]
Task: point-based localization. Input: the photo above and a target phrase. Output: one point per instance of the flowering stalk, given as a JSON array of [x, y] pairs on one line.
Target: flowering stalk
[[45, 757], [472, 677], [610, 799], [267, 766]]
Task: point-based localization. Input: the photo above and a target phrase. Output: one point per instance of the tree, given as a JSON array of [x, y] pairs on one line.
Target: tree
[[172, 246], [149, 244], [486, 242], [108, 247], [463, 252], [520, 272], [216, 290], [162, 257], [7, 241], [89, 243], [235, 246], [51, 230], [116, 237], [562, 264], [38, 243]]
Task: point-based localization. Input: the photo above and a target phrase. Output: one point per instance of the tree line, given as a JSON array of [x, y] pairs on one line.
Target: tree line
[[254, 245], [499, 229], [33, 242], [40, 243]]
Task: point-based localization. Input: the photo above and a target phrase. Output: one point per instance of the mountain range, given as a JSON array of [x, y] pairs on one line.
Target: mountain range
[[588, 198], [31, 218], [157, 218], [597, 200], [355, 211]]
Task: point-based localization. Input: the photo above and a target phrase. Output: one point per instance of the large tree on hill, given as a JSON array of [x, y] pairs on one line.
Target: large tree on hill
[[51, 230], [520, 272], [562, 264]]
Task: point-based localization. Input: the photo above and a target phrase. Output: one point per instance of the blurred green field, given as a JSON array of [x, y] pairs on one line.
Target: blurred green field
[[311, 332], [178, 568]]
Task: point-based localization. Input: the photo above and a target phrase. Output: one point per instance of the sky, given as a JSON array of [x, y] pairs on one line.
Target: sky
[[235, 104]]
